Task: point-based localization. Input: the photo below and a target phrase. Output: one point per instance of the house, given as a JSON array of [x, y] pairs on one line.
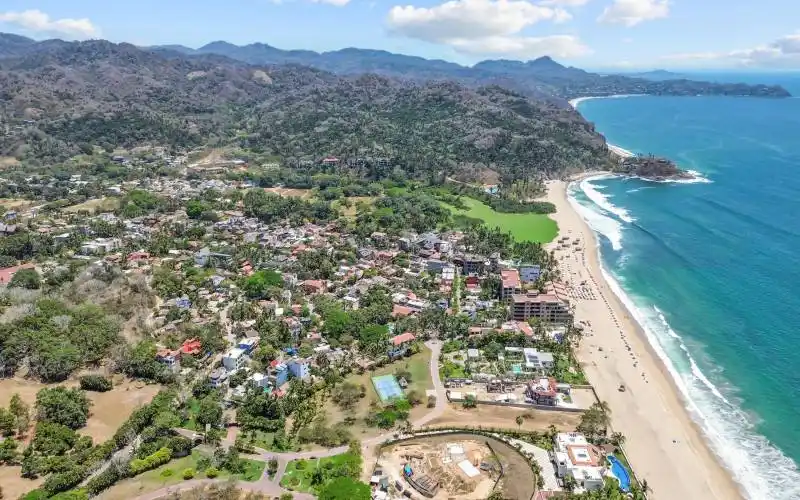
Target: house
[[191, 347], [7, 273], [399, 311], [312, 287], [259, 380], [206, 257], [542, 391], [294, 326], [218, 377], [99, 246], [472, 264], [170, 358], [545, 306], [402, 339], [7, 229], [234, 359], [248, 344], [537, 360], [510, 284], [300, 368], [473, 354], [576, 457], [136, 257], [278, 373]]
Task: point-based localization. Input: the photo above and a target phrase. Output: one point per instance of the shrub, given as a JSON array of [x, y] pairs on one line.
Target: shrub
[[96, 383], [212, 472], [150, 462], [63, 481], [188, 473], [300, 465], [167, 473]]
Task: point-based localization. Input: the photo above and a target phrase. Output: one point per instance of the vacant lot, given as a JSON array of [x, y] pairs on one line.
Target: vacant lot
[[297, 193], [109, 409], [354, 201], [505, 418], [14, 486], [103, 204], [15, 203], [523, 227], [419, 367], [172, 473]]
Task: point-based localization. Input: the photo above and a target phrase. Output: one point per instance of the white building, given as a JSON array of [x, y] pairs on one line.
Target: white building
[[537, 360], [234, 359], [577, 458]]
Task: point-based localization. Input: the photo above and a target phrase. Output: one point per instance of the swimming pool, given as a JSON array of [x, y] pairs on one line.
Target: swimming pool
[[620, 472]]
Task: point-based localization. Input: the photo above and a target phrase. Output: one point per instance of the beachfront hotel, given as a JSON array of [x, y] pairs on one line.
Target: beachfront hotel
[[547, 307]]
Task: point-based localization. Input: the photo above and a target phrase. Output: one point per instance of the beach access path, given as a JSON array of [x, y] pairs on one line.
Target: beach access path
[[663, 443]]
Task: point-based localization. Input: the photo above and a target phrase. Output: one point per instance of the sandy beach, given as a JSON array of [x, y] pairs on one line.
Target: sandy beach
[[664, 445]]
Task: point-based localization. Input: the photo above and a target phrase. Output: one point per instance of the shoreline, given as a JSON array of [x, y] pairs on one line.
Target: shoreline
[[665, 445]]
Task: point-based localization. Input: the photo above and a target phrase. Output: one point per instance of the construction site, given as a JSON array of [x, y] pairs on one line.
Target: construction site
[[442, 468]]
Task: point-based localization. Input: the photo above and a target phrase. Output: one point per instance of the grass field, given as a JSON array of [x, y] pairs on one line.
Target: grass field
[[102, 204], [298, 472], [523, 227], [172, 473]]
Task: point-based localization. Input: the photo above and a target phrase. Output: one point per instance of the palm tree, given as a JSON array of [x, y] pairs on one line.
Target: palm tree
[[519, 421], [617, 439]]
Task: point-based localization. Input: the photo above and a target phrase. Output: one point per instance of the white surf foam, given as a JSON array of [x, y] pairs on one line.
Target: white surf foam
[[761, 469], [601, 224], [602, 200]]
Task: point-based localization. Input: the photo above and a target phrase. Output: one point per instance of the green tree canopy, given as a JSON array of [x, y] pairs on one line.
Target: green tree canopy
[[345, 488], [68, 407]]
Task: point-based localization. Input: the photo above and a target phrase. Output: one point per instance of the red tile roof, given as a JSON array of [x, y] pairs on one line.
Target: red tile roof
[[7, 273], [403, 338], [401, 311], [191, 346]]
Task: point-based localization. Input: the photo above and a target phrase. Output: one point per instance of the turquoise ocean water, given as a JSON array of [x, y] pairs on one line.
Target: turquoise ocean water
[[712, 269]]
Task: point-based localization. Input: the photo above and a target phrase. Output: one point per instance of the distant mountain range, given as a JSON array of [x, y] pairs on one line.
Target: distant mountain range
[[429, 117], [658, 74], [541, 78]]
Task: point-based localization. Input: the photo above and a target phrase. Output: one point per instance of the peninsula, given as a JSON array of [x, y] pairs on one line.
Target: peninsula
[[650, 167]]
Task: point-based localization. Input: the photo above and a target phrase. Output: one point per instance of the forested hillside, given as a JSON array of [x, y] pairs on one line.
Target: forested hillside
[[58, 101]]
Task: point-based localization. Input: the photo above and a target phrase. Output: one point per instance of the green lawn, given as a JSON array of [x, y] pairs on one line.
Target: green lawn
[[193, 406], [299, 479], [523, 227], [254, 469], [449, 369]]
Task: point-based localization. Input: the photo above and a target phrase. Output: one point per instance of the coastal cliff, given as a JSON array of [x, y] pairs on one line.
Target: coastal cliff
[[650, 167]]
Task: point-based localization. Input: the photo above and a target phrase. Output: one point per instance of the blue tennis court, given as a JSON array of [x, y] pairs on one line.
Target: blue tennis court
[[387, 387]]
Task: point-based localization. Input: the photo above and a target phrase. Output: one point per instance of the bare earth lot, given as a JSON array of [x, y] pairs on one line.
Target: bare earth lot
[[505, 417], [298, 193], [109, 409]]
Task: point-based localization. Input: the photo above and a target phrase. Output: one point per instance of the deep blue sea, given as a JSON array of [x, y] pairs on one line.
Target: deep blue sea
[[712, 269]]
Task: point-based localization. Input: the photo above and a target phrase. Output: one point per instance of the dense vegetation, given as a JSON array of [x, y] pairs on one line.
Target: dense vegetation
[[57, 339], [295, 113]]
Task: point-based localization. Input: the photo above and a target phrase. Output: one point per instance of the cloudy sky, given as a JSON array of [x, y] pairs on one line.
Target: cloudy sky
[[697, 34]]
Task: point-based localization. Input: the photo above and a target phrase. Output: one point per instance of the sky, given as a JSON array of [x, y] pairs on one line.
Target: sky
[[621, 34]]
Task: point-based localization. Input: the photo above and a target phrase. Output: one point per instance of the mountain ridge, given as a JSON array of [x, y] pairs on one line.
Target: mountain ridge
[[542, 78]]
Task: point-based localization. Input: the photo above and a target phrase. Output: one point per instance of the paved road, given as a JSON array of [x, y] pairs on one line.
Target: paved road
[[272, 486]]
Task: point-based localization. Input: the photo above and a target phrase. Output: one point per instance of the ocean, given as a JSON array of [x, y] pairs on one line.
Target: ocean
[[711, 269]]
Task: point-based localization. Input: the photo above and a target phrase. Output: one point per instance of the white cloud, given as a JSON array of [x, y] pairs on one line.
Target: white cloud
[[565, 3], [486, 27], [632, 12], [782, 53], [335, 3], [38, 21], [523, 47]]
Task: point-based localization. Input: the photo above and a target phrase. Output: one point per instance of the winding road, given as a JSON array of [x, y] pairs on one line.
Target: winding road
[[271, 486]]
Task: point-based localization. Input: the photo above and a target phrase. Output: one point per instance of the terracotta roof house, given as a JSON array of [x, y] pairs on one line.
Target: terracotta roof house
[[403, 338], [7, 273]]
